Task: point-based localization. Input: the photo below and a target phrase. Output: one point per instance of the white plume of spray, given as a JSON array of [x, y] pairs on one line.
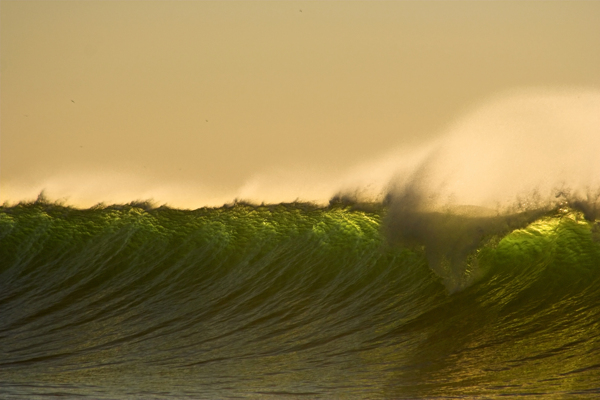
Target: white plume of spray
[[496, 169]]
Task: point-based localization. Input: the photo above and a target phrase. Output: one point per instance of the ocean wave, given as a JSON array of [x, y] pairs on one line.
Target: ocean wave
[[297, 299]]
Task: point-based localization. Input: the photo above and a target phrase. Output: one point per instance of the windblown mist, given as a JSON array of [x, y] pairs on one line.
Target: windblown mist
[[518, 144]]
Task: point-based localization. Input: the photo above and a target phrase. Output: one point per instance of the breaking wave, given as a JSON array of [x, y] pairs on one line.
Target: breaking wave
[[294, 300]]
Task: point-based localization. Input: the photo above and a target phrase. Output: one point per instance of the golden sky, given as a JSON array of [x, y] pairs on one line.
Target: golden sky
[[119, 100]]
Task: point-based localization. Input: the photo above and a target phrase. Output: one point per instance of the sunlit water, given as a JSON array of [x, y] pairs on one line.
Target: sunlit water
[[291, 301]]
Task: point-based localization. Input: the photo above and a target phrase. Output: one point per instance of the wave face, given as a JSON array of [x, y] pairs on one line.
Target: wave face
[[289, 301]]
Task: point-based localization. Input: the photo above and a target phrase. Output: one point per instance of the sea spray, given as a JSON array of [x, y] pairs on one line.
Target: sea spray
[[506, 145], [500, 167]]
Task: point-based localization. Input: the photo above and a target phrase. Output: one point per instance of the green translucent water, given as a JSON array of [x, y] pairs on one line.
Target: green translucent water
[[289, 301]]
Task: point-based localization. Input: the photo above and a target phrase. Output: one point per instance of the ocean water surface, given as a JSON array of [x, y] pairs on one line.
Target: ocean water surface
[[297, 301]]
